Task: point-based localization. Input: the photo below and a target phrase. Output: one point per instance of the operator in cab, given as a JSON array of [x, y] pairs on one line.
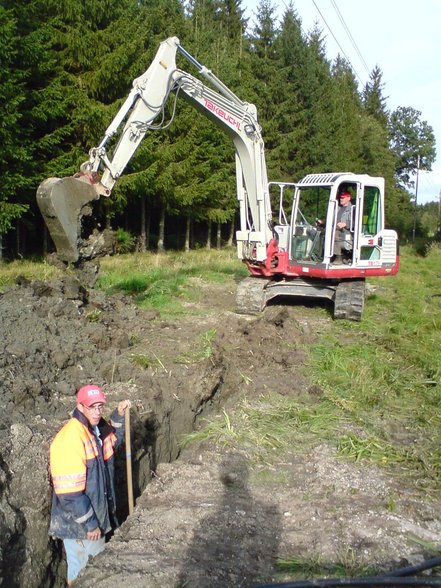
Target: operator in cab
[[343, 238]]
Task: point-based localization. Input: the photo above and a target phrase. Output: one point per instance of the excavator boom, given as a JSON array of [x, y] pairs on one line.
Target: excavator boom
[[63, 202]]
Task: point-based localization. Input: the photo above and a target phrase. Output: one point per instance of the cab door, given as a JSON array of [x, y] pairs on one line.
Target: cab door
[[369, 238]]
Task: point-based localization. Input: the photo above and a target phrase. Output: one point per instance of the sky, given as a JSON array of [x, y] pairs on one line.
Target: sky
[[402, 37]]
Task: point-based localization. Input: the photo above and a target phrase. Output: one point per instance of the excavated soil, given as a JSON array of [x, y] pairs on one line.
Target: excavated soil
[[205, 516]]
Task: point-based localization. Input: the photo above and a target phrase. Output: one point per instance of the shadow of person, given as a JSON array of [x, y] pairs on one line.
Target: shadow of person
[[237, 544]]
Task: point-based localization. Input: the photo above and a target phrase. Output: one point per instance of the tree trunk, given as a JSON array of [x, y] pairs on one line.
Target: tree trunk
[[17, 240], [219, 236], [160, 246], [1, 247], [187, 235], [147, 231], [231, 235], [208, 243], [142, 234]]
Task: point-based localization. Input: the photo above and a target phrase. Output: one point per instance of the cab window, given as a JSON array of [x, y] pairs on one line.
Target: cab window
[[371, 211]]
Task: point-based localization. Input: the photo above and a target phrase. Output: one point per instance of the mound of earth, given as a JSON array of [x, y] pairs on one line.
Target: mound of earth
[[204, 516]]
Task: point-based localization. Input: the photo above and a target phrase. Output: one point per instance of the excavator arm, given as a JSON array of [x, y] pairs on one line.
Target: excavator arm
[[63, 202]]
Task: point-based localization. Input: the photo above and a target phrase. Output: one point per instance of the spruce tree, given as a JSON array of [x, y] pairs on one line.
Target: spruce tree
[[373, 99], [291, 115], [345, 141], [15, 150]]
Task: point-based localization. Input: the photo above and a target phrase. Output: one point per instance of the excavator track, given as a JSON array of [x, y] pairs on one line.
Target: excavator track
[[349, 300], [251, 296]]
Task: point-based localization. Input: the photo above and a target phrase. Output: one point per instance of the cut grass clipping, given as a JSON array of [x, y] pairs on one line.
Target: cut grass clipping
[[271, 424]]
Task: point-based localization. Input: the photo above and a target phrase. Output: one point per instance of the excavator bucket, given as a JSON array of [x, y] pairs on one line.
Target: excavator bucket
[[63, 202]]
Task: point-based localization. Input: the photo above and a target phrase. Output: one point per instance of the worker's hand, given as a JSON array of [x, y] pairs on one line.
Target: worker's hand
[[123, 406], [94, 535], [341, 225]]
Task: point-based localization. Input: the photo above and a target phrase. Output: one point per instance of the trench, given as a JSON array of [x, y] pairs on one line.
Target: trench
[[57, 335], [43, 330], [154, 438]]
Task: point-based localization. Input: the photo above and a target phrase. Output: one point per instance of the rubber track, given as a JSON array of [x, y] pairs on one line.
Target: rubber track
[[349, 300]]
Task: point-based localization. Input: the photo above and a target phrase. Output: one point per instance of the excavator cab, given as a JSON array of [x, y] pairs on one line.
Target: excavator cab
[[301, 260], [367, 243]]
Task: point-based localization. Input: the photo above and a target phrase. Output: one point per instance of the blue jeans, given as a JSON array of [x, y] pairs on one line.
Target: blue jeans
[[78, 552]]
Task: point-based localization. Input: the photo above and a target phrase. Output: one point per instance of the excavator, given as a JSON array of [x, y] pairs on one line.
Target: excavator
[[287, 231]]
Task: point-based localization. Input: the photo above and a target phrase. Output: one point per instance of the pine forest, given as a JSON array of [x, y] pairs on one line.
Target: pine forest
[[66, 66]]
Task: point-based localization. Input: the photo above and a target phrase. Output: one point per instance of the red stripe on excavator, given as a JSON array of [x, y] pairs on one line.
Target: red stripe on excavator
[[279, 265]]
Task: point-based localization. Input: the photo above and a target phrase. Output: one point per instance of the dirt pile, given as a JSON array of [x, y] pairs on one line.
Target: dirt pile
[[208, 519]]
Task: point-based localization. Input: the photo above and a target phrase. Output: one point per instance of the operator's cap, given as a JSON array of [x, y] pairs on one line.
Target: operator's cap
[[90, 394], [344, 194]]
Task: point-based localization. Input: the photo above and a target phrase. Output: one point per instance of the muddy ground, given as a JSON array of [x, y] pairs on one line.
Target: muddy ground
[[205, 516]]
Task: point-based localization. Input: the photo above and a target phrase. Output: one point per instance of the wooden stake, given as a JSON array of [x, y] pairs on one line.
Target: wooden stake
[[129, 460]]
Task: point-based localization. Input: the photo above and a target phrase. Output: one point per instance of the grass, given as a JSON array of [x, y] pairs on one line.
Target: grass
[[29, 269], [158, 281], [314, 567], [164, 281], [380, 382], [273, 423], [347, 565], [384, 374], [204, 349]]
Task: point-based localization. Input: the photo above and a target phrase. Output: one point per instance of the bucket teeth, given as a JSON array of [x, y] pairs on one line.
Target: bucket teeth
[[63, 202]]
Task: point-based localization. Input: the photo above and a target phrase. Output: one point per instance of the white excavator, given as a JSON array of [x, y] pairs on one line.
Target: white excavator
[[287, 230]]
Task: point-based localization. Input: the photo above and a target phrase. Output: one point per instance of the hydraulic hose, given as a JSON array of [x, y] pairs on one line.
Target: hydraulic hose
[[368, 582], [409, 570], [389, 579]]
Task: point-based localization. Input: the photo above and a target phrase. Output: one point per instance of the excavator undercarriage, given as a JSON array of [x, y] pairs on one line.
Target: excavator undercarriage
[[253, 294]]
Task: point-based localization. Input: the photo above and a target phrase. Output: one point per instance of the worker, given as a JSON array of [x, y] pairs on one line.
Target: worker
[[342, 237], [82, 472]]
